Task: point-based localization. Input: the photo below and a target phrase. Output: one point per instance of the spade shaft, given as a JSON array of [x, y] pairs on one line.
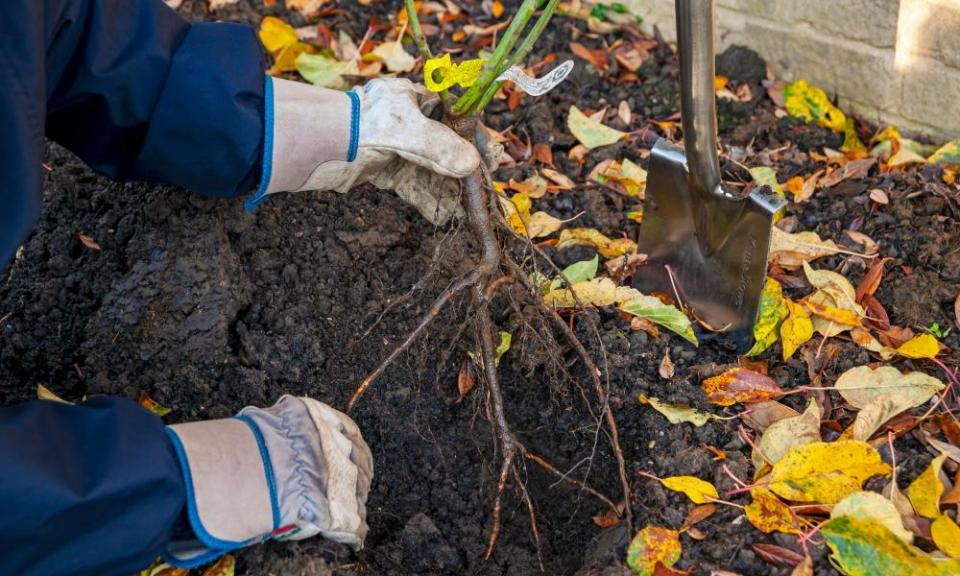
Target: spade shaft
[[703, 244]]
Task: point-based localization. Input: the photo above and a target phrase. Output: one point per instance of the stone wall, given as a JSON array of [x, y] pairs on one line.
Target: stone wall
[[895, 61]]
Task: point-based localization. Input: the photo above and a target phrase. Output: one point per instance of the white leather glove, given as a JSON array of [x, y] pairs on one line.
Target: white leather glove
[[322, 139], [288, 472]]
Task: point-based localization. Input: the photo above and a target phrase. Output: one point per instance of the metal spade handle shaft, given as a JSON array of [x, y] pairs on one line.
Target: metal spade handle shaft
[[695, 37]]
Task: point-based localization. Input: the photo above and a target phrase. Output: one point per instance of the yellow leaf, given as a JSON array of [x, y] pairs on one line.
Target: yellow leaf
[[769, 514], [677, 414], [287, 58], [766, 176], [946, 535], [947, 155], [873, 507], [497, 9], [542, 224], [591, 133], [516, 209], [697, 490], [44, 393], [791, 250], [825, 472], [920, 346], [395, 57], [796, 329], [772, 312], [811, 103], [651, 546], [875, 414], [595, 292], [275, 34], [788, 433], [838, 287], [924, 492], [631, 177], [851, 141], [861, 385], [607, 247]]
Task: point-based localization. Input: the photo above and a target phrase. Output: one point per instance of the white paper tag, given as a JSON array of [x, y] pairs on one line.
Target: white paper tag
[[538, 86]]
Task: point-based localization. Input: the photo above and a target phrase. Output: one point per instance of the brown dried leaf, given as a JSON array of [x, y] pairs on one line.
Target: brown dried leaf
[[804, 568], [596, 57], [698, 514], [777, 555], [879, 196], [871, 280], [89, 242], [956, 311], [561, 180], [465, 380], [666, 366], [763, 414], [853, 169], [543, 154]]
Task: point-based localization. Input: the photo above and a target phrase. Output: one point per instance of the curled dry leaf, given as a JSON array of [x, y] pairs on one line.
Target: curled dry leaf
[[651, 546], [769, 514], [44, 393], [879, 196], [925, 492], [89, 242], [873, 507], [777, 555], [791, 251], [825, 472], [764, 414], [804, 568], [666, 366], [875, 414], [740, 385], [861, 385], [698, 514], [465, 380]]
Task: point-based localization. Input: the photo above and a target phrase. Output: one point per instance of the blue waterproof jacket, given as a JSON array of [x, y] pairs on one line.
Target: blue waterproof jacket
[[138, 93]]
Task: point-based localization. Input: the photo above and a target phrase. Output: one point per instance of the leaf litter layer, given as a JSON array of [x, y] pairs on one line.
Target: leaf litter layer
[[299, 282]]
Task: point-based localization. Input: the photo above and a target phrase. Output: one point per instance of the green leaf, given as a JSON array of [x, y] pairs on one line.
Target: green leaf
[[873, 507], [767, 176], [665, 315], [505, 339], [948, 154], [867, 548], [582, 271], [591, 133], [324, 71], [677, 414], [772, 312]]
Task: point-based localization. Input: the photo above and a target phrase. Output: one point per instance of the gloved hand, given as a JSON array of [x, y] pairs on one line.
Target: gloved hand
[[288, 472], [321, 139]]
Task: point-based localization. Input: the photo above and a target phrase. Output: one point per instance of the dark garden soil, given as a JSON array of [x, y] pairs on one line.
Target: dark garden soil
[[208, 309]]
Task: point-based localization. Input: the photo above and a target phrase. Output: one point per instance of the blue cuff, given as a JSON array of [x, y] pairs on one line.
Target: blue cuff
[[354, 126], [260, 196]]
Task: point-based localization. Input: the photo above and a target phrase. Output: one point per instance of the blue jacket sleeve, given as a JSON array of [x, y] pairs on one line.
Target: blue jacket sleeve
[[93, 489], [139, 93]]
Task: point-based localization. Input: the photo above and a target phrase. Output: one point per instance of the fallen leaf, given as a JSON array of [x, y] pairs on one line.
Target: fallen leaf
[[624, 113], [947, 155], [503, 346], [740, 385], [150, 404], [225, 566], [89, 242], [465, 380], [777, 555], [766, 176], [496, 9], [804, 568], [796, 329], [44, 393], [698, 514], [535, 186], [871, 506], [904, 157], [607, 247], [956, 311], [306, 7], [395, 57], [677, 414], [786, 434], [653, 545], [791, 251], [560, 180], [769, 514], [764, 414], [590, 133], [541, 224], [811, 103], [771, 314], [670, 317], [924, 492], [867, 548], [632, 179], [825, 472], [879, 196], [838, 287], [851, 141], [861, 385], [871, 280], [581, 271], [597, 58], [666, 366], [596, 292], [829, 319], [543, 154], [851, 170], [286, 60], [946, 535], [607, 519], [275, 34], [324, 71], [877, 413], [217, 4], [697, 490], [920, 346], [161, 568]]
